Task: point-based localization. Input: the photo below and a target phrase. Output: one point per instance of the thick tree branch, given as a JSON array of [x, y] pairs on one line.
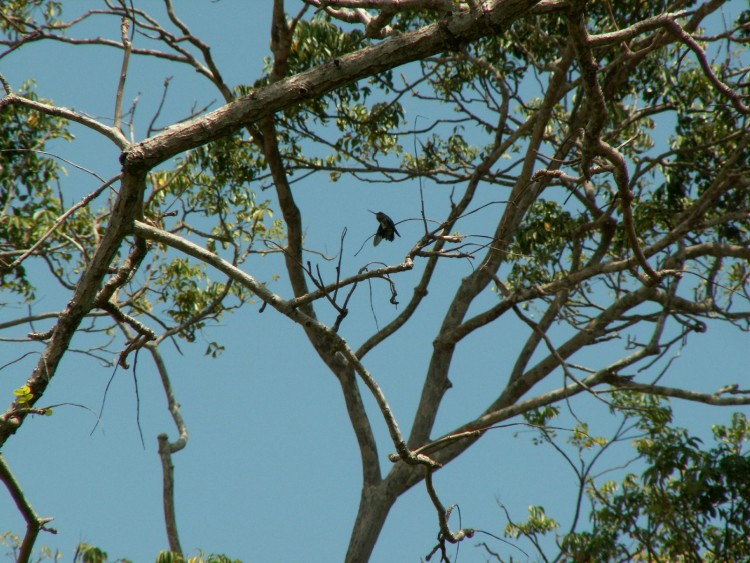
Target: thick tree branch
[[126, 207], [263, 102], [687, 394]]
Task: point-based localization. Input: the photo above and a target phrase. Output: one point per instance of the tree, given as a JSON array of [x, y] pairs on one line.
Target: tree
[[568, 220]]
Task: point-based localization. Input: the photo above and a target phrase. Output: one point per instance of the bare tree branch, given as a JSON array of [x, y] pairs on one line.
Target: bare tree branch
[[34, 523]]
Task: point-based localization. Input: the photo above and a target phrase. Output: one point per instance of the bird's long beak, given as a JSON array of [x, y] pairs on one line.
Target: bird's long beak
[[372, 212]]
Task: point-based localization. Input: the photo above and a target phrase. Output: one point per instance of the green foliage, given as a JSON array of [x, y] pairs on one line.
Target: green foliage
[[538, 524], [705, 139], [17, 14], [649, 412], [541, 419], [541, 244], [212, 183], [86, 553], [14, 541], [23, 394], [180, 282], [582, 439], [210, 186], [318, 40], [691, 503], [170, 557], [742, 21], [214, 350], [542, 416], [29, 203], [344, 122]]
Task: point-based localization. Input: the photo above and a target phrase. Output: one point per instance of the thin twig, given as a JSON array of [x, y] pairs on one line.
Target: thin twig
[[34, 522]]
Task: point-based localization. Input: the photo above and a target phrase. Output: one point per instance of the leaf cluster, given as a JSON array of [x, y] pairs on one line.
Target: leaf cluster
[[690, 504], [29, 202]]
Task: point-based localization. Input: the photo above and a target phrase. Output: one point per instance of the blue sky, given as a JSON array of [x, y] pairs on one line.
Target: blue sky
[[271, 471]]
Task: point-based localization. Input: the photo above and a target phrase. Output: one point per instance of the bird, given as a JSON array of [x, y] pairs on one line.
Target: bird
[[386, 229]]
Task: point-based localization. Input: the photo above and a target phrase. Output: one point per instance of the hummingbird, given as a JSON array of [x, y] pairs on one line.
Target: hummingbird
[[386, 229]]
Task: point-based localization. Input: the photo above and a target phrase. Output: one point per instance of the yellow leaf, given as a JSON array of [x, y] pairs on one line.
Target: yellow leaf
[[25, 390]]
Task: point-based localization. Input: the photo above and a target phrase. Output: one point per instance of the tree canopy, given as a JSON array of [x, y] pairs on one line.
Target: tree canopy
[[579, 198]]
